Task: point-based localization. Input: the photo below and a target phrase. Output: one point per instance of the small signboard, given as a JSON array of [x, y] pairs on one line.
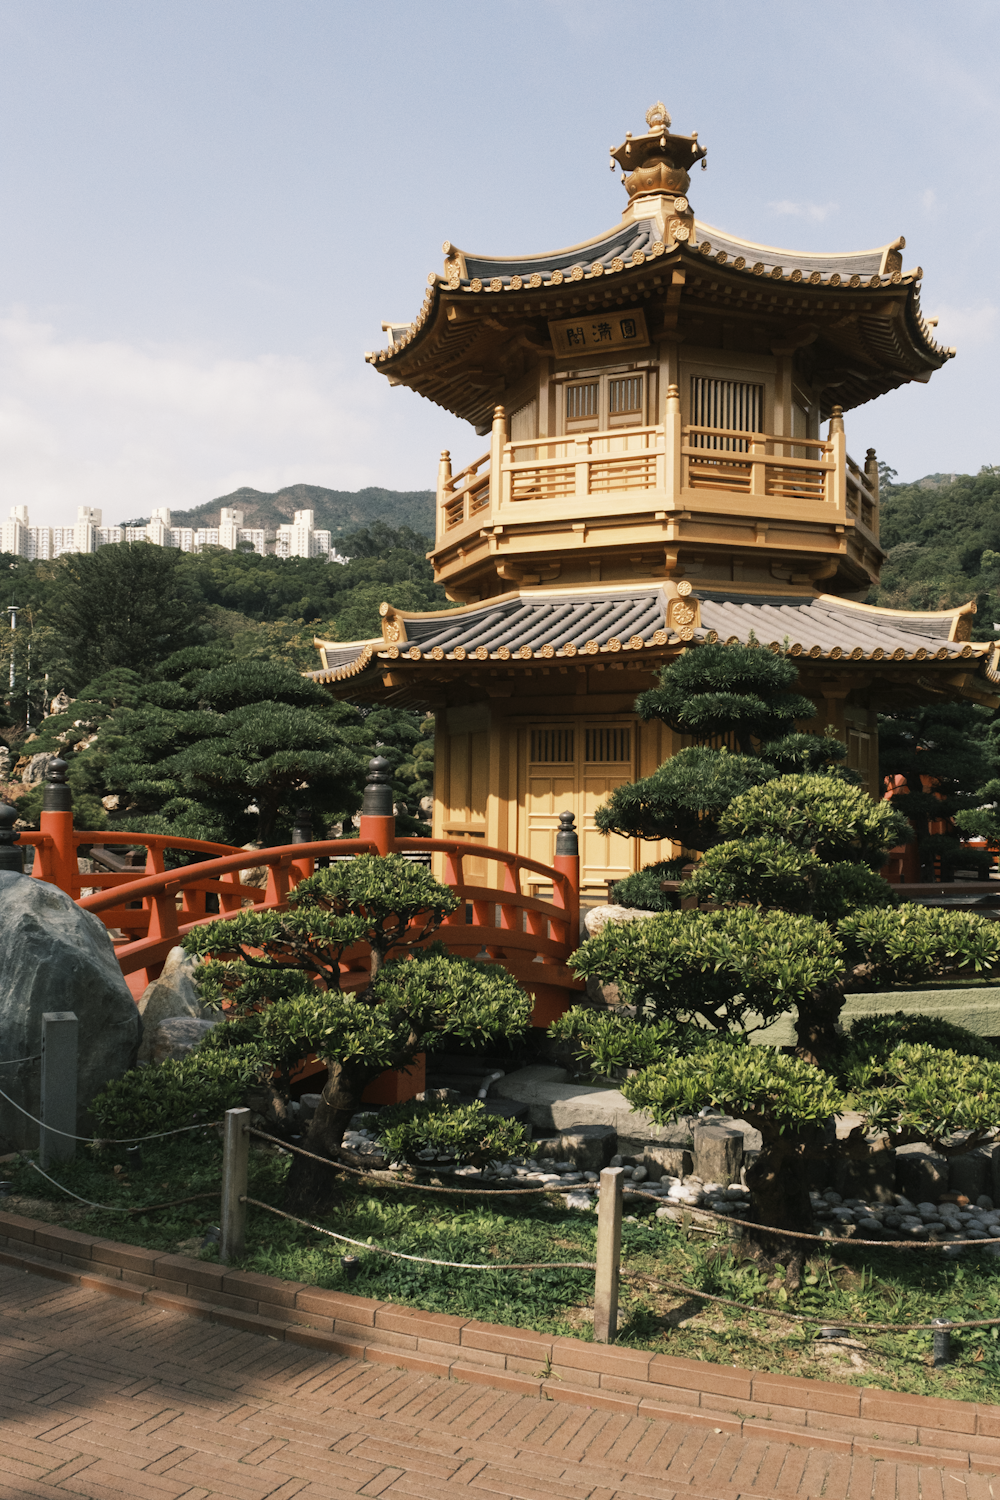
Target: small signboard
[[604, 330]]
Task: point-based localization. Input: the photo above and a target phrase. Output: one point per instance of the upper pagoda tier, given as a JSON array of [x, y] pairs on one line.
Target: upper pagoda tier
[[614, 375]]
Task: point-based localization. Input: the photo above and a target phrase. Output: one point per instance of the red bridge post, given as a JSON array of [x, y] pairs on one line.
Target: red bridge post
[[378, 817], [57, 863]]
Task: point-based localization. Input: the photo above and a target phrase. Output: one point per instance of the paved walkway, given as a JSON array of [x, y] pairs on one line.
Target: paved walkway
[[102, 1398]]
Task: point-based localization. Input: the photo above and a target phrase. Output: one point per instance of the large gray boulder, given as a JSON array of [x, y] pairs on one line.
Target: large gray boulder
[[55, 957]]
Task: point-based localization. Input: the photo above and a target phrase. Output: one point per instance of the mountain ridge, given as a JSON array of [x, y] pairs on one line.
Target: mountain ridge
[[337, 511]]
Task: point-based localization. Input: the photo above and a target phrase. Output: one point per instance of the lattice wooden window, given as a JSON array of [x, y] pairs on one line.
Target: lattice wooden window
[[625, 395], [735, 405], [609, 743], [552, 746], [582, 401]]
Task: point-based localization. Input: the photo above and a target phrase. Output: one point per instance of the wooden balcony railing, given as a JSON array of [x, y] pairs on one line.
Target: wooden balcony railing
[[862, 496], [667, 460], [757, 463]]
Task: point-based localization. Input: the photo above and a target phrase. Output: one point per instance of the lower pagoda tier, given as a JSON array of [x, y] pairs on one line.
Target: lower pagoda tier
[[534, 693]]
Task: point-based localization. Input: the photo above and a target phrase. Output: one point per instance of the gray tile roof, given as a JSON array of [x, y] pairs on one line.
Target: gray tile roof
[[848, 263], [620, 242], [635, 619], [545, 622], [827, 624]]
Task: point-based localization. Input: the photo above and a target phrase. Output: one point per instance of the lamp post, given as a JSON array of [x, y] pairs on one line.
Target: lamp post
[[12, 610]]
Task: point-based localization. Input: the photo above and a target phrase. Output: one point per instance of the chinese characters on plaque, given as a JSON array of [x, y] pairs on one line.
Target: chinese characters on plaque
[[599, 331]]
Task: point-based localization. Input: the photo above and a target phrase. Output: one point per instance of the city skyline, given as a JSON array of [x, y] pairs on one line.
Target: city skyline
[[296, 538]]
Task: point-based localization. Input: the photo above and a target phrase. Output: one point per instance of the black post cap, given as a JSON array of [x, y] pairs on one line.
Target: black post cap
[[57, 796], [302, 828], [378, 790], [566, 839], [11, 859]]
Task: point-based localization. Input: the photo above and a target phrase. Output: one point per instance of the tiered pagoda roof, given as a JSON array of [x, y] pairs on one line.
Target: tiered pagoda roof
[[425, 659], [858, 312]]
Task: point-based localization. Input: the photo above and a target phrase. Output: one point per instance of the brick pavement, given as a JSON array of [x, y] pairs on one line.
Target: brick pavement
[[102, 1398]]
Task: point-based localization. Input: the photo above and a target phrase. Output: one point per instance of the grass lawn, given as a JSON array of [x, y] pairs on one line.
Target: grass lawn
[[880, 1286]]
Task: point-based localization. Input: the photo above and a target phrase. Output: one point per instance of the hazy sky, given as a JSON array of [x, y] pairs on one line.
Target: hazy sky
[[207, 208]]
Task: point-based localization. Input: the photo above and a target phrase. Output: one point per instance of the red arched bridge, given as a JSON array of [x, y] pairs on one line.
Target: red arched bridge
[[150, 907]]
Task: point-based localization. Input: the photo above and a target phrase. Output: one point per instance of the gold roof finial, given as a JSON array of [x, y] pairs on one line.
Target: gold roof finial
[[658, 162]]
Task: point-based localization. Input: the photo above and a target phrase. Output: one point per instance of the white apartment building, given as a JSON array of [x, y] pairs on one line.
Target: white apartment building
[[299, 538], [296, 539]]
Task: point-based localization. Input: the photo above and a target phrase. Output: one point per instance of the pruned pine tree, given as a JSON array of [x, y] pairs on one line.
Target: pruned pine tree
[[281, 972]]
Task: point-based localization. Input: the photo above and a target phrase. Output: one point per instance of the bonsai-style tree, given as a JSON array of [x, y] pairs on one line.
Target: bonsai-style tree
[[906, 1093], [743, 695], [940, 757], [282, 974]]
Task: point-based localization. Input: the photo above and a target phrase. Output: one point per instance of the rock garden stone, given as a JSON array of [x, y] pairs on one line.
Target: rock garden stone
[[176, 1036], [598, 917], [56, 957], [173, 994], [718, 1153], [970, 1174], [920, 1172]]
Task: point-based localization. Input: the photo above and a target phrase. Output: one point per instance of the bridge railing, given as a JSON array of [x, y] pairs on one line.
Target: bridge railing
[[149, 908]]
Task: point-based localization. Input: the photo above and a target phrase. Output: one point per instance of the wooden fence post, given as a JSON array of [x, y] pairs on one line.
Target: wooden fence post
[[235, 1160], [609, 1249], [59, 1067], [378, 817]]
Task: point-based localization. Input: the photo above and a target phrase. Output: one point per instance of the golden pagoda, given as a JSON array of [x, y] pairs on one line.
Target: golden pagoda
[[656, 477]]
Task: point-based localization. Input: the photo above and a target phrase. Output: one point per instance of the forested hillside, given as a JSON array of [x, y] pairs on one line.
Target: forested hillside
[[337, 511], [190, 712], [942, 534]]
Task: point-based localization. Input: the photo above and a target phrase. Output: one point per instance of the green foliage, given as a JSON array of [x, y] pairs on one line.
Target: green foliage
[[281, 974], [942, 535], [769, 872], [684, 798], [821, 814], [720, 969], [123, 606], [604, 1040], [258, 956], [912, 944], [945, 755], [202, 1085], [462, 1131], [875, 1037], [717, 690], [921, 1093], [642, 890], [773, 1092]]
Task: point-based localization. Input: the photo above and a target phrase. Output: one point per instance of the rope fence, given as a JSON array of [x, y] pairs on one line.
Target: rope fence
[[828, 1320], [108, 1140], [142, 1208], [454, 1265], [422, 1187]]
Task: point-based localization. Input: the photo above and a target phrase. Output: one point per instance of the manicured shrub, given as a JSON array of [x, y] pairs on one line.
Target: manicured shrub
[[603, 1040], [202, 1085], [643, 889], [463, 1131], [723, 969], [915, 943]]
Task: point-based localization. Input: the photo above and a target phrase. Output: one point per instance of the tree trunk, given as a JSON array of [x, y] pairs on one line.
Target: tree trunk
[[816, 1037], [780, 1198], [311, 1188]]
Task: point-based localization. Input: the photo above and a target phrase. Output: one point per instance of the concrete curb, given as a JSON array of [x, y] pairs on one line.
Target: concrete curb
[[846, 1419]]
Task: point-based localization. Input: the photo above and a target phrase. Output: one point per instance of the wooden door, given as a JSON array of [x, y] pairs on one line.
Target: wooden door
[[574, 767]]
